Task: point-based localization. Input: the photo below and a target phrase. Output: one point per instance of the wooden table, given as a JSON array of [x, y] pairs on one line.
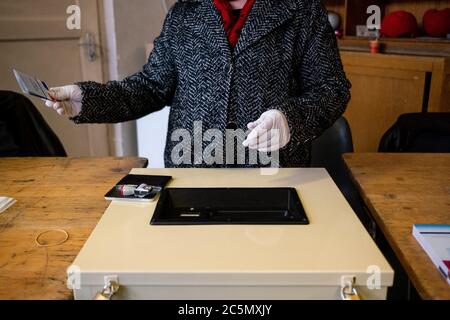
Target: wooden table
[[401, 190], [51, 193]]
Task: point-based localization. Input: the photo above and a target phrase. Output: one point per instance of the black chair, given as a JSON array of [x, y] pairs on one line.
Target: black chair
[[23, 130], [327, 150], [327, 153], [418, 132]]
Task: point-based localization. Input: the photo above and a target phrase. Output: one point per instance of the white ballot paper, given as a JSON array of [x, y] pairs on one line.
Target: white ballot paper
[[32, 86], [36, 88], [6, 203]]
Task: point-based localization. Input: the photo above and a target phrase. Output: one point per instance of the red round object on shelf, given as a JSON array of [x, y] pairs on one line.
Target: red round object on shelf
[[399, 24], [436, 23]]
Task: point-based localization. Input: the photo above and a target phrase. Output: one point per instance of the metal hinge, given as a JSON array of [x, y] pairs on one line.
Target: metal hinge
[[90, 46], [348, 288], [110, 289]]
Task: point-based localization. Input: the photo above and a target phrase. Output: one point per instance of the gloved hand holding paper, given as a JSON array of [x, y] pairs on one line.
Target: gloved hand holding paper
[[64, 100]]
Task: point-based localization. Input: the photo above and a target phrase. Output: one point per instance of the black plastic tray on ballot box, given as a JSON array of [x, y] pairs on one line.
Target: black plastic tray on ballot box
[[215, 206]]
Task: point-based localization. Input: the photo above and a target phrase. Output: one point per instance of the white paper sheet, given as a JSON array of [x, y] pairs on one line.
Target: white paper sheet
[[6, 203]]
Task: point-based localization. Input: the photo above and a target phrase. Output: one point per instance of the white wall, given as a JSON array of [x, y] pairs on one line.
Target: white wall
[[130, 26], [151, 132]]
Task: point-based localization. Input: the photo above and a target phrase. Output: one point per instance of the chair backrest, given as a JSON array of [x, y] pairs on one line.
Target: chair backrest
[[327, 153], [327, 149], [418, 132], [23, 130]]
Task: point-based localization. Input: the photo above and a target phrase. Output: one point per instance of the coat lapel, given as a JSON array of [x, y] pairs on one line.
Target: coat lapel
[[265, 16], [212, 29]]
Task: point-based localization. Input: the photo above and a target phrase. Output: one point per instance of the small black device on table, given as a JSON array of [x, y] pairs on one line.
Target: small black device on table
[[138, 188]]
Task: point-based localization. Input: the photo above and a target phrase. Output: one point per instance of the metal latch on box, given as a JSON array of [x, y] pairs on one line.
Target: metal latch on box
[[110, 289], [348, 289]]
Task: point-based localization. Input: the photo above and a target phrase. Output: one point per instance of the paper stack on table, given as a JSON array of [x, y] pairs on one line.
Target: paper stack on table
[[6, 203], [435, 240]]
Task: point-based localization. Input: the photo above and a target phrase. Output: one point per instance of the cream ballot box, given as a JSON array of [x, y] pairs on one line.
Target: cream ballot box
[[332, 257]]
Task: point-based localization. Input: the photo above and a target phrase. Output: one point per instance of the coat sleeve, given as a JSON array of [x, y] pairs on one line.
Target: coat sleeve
[[147, 91], [325, 90]]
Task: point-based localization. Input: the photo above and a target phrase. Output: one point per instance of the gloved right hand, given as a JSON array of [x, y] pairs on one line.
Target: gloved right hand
[[67, 100]]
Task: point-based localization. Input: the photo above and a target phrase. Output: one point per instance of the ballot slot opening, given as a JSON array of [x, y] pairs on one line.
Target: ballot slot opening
[[197, 206]]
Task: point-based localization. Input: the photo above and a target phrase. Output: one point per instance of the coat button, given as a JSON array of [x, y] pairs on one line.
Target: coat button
[[232, 126]]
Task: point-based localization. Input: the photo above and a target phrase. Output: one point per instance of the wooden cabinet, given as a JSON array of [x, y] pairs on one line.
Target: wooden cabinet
[[386, 86]]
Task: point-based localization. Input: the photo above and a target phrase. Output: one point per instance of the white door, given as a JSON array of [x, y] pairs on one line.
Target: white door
[[35, 39]]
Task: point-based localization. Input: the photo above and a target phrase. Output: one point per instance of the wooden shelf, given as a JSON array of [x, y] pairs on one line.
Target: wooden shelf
[[353, 13], [424, 47]]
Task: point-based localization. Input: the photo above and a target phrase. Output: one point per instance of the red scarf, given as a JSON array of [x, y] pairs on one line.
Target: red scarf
[[232, 23]]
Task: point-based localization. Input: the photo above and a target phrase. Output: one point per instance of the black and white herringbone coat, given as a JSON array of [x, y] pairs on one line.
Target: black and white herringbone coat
[[286, 59]]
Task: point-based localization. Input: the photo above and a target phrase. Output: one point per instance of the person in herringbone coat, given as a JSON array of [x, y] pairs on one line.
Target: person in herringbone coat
[[278, 58]]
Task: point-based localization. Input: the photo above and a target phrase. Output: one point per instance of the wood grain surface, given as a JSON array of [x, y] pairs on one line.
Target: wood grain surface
[[402, 190], [51, 193]]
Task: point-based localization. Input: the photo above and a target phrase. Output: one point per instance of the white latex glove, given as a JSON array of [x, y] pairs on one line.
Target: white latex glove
[[67, 100], [269, 133]]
